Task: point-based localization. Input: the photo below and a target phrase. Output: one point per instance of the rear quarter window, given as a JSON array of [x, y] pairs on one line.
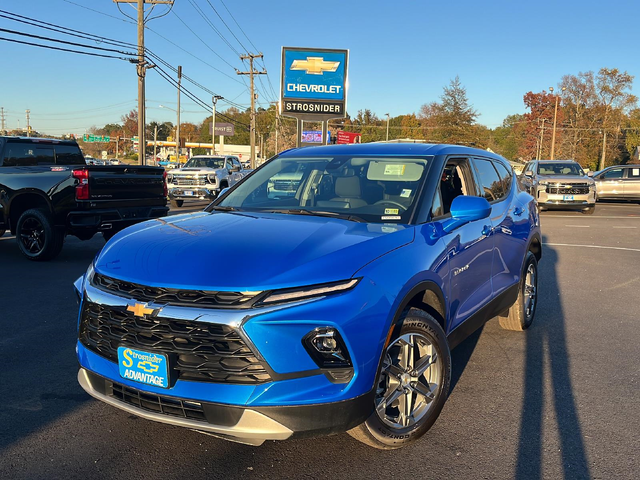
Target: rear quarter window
[[27, 155], [69, 155]]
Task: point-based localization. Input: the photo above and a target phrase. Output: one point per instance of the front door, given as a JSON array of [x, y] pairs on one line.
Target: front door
[[469, 247], [631, 181], [610, 184]]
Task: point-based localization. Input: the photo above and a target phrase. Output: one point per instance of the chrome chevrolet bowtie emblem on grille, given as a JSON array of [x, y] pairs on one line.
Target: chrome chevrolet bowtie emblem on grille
[[315, 65], [140, 309]]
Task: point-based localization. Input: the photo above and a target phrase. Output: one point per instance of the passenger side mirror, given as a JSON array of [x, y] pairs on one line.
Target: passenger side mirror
[[528, 173], [466, 209], [589, 174], [235, 168]]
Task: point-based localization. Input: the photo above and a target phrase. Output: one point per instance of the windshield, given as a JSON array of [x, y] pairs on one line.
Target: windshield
[[205, 163], [564, 168], [360, 188]]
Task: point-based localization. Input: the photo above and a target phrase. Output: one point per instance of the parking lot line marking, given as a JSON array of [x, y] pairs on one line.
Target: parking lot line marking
[[625, 227], [579, 226], [592, 246]]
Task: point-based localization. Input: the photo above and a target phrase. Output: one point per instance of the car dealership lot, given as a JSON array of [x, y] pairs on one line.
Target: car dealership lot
[[558, 400]]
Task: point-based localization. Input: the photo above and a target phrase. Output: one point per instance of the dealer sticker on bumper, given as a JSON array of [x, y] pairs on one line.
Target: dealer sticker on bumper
[[143, 367]]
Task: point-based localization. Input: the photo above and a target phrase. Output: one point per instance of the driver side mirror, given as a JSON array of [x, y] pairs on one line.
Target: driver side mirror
[[234, 168], [528, 173], [589, 174], [466, 209]]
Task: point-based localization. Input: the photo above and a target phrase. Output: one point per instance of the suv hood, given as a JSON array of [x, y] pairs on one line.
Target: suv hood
[[246, 251]]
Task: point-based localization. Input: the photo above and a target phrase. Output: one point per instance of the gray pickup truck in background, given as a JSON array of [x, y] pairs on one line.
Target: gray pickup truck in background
[[203, 177]]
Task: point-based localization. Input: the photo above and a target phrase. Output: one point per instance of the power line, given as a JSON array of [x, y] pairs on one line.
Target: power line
[[210, 23], [225, 24], [238, 25], [49, 39], [98, 11], [66, 49]]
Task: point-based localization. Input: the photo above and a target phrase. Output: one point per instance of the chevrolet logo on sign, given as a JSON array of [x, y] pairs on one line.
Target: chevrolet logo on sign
[[140, 309], [315, 65]]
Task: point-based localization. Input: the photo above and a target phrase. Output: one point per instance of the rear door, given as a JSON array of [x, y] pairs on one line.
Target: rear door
[[631, 180], [469, 247]]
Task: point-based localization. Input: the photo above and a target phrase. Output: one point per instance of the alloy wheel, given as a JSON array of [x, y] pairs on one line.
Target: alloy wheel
[[32, 236], [409, 382]]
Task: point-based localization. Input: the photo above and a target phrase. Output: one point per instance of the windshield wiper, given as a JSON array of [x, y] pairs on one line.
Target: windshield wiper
[[319, 213], [222, 208]]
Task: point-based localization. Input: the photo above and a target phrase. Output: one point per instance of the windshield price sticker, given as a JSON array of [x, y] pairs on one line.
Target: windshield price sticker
[[391, 211], [406, 193], [397, 170]]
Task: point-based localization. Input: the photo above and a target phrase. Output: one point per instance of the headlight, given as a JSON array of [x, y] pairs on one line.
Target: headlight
[[290, 295], [211, 178], [326, 347], [80, 284], [543, 183]]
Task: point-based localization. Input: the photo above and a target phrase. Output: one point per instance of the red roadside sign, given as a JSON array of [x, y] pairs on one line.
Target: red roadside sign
[[348, 137]]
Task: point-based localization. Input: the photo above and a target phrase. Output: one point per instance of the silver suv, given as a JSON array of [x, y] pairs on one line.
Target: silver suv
[[560, 184], [620, 182]]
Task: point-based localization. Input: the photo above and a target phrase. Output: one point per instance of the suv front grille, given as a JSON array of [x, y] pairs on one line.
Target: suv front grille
[[197, 351], [174, 296], [189, 180], [577, 189], [158, 403]]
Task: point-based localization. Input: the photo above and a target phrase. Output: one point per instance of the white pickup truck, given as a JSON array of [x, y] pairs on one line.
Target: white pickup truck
[[203, 176]]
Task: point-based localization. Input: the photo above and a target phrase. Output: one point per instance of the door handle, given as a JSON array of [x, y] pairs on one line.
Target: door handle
[[486, 230]]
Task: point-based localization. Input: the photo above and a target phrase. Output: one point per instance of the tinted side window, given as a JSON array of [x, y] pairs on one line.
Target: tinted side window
[[24, 155], [633, 173], [505, 178], [489, 180], [613, 174], [69, 155], [236, 163]]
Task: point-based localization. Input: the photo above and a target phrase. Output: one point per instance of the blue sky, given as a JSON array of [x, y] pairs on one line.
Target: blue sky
[[401, 54]]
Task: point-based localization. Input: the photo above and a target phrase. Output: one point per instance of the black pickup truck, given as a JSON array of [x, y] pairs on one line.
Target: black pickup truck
[[47, 191]]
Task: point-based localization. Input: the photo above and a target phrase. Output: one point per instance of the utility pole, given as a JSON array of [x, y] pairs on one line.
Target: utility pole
[[541, 138], [155, 142], [555, 116], [251, 73], [28, 125], [178, 125], [142, 71], [603, 157], [387, 126], [214, 99], [2, 130], [117, 146]]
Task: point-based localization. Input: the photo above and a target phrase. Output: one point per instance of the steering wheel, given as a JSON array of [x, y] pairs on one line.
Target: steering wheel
[[391, 202]]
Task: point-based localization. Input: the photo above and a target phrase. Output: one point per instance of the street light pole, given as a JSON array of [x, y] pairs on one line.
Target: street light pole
[[555, 116], [215, 99], [387, 126]]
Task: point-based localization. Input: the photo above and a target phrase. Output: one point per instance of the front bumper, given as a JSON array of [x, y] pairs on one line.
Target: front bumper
[[251, 426], [579, 201], [301, 397], [193, 193]]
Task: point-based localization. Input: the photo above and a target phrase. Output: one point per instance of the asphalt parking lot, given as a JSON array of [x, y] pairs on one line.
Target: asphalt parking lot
[[561, 400]]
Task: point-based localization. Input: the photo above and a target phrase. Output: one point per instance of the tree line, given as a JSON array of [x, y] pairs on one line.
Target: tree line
[[597, 123]]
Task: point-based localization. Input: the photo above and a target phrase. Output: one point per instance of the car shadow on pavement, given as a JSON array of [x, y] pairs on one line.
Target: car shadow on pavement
[[546, 347]]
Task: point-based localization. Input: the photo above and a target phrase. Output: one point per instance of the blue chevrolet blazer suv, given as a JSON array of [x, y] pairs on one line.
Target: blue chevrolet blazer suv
[[321, 294]]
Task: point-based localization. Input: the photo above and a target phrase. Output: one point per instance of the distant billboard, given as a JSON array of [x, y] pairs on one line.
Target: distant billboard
[[314, 136], [313, 83], [224, 129]]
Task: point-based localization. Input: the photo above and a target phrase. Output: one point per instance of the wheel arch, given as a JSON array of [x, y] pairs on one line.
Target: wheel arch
[[535, 246], [23, 201], [428, 296]]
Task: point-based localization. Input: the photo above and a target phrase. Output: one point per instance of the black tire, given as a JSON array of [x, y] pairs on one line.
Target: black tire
[[38, 239], [375, 432], [2, 232], [589, 211], [177, 203], [521, 314]]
